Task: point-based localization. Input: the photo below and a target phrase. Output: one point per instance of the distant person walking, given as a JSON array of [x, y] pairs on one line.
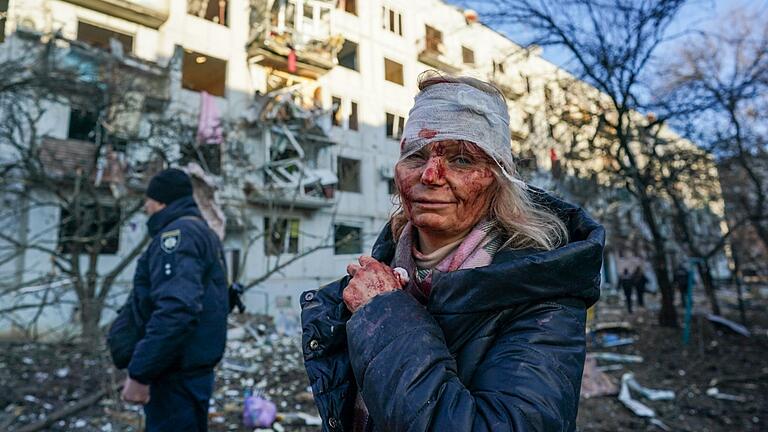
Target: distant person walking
[[626, 283], [639, 281]]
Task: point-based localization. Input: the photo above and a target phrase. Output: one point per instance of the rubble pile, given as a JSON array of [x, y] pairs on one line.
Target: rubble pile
[[38, 380], [718, 382], [259, 359]]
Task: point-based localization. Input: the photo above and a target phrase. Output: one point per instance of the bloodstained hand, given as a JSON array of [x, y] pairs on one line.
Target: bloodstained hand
[[369, 279]]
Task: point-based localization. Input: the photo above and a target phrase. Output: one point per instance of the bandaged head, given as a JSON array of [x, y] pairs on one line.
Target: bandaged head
[[459, 111]]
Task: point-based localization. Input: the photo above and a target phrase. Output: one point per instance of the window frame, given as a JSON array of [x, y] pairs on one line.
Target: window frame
[[356, 245], [356, 67], [341, 173], [388, 61], [466, 50], [192, 57], [70, 228], [288, 244]]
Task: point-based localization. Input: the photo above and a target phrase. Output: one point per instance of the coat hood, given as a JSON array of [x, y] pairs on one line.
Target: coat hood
[[516, 277], [181, 207]]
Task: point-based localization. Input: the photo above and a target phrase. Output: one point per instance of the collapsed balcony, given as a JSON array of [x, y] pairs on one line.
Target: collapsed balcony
[[294, 36], [294, 137], [96, 65]]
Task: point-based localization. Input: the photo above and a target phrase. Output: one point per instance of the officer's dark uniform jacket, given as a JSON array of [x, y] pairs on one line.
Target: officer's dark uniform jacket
[[496, 348], [179, 299]]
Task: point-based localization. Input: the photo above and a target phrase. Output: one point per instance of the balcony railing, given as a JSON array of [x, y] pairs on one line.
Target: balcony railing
[[295, 35]]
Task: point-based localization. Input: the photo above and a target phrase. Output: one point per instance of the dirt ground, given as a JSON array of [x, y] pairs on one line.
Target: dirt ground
[[714, 357], [38, 380]]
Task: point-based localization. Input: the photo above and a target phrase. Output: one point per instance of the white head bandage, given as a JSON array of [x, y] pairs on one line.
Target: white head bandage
[[458, 111]]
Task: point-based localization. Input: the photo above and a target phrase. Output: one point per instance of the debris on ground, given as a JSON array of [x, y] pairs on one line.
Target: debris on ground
[[624, 358], [594, 382], [715, 393], [258, 412], [610, 340], [736, 327], [715, 357], [39, 380], [648, 393]]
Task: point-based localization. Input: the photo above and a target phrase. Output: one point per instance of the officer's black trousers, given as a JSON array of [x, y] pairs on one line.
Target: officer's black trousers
[[179, 403]]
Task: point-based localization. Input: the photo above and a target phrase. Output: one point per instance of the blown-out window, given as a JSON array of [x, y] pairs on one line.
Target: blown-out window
[[347, 240], [202, 72], [92, 227], [281, 236]]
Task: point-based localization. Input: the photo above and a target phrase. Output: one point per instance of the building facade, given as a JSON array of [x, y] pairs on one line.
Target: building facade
[[296, 108]]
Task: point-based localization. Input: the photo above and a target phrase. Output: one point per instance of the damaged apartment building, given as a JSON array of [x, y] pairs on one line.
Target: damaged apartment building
[[289, 117]]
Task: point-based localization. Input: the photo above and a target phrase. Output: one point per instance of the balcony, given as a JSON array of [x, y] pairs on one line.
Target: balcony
[[432, 52], [150, 13], [84, 70], [437, 60], [294, 137], [294, 36], [513, 87]]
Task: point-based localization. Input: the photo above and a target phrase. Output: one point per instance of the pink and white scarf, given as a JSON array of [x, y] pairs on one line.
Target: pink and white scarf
[[476, 250]]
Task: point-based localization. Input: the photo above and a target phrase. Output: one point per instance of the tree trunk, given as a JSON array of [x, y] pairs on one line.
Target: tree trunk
[[761, 230], [90, 317], [705, 272], [668, 313]]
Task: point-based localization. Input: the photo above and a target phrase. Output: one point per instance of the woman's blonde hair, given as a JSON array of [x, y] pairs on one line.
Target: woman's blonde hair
[[523, 222]]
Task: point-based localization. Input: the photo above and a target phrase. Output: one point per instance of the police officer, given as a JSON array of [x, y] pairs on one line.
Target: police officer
[[175, 321]]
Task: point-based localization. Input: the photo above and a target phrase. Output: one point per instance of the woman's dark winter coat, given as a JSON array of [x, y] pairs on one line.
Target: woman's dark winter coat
[[496, 348]]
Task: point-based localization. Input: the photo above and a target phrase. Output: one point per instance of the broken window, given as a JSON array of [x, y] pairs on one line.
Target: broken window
[[212, 10], [349, 6], [347, 240], [281, 236], [434, 40], [395, 125], [100, 37], [393, 71], [3, 18], [467, 55], [93, 227], [201, 72], [83, 125], [208, 156], [336, 104], [352, 120], [391, 20], [348, 172], [498, 67], [347, 56]]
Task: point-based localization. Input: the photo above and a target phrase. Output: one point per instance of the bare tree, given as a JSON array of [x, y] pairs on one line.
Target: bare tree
[[725, 73], [83, 182], [612, 44]]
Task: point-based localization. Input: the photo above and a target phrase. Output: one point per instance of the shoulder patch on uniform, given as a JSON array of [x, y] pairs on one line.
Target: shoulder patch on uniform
[[170, 240]]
